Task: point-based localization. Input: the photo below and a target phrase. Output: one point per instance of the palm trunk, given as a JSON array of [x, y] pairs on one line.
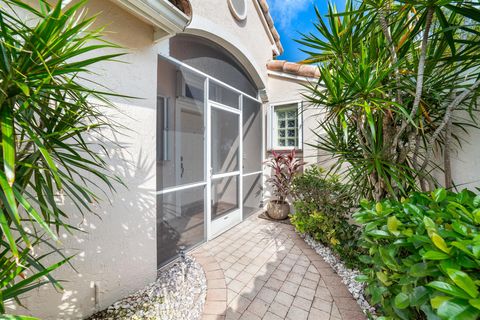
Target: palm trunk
[[421, 62], [391, 47], [420, 72], [447, 167], [416, 150]]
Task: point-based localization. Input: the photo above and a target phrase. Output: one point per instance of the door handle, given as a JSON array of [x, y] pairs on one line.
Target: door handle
[[182, 168]]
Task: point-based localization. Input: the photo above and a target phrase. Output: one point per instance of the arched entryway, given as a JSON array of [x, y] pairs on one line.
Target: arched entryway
[[209, 145]]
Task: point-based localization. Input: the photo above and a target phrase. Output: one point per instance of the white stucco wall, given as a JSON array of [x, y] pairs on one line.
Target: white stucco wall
[[117, 254], [466, 162], [285, 89], [464, 158]]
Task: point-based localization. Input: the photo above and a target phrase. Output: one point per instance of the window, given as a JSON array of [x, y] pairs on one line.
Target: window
[[238, 9], [286, 126]]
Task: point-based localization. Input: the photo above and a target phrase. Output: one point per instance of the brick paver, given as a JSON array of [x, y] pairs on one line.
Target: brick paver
[[264, 270]]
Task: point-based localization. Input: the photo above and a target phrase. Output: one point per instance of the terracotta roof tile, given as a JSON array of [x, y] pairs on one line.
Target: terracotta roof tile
[[275, 65], [275, 33], [279, 46], [264, 6], [302, 70], [183, 5], [266, 12], [270, 23]]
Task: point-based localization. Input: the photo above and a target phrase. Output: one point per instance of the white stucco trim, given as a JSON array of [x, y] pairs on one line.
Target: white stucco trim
[[160, 13], [253, 173], [271, 125], [292, 76], [203, 27]]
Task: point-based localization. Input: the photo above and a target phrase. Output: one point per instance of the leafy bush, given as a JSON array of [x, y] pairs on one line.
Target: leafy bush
[[424, 255], [322, 209]]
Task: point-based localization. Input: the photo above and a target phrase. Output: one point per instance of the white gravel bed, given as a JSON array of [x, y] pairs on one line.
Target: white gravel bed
[[178, 293], [357, 289]]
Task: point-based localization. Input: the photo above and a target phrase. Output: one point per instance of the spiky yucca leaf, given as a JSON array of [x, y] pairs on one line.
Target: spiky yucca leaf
[[52, 126]]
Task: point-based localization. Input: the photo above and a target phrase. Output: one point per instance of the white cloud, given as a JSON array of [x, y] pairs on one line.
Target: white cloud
[[286, 11]]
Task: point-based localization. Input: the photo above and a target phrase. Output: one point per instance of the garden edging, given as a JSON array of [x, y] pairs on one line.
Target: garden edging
[[216, 298]]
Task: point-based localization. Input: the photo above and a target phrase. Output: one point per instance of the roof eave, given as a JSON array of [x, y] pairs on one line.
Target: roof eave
[[267, 21], [161, 14], [294, 77]]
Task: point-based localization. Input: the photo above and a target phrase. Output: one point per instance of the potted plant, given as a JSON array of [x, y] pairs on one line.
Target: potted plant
[[284, 168]]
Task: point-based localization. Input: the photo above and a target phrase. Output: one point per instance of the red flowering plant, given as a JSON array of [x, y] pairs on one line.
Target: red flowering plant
[[284, 166]]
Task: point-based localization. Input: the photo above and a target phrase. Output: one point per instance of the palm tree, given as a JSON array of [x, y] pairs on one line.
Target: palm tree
[[395, 76]]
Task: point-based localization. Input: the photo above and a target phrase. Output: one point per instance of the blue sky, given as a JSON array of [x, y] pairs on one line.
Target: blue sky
[[294, 16]]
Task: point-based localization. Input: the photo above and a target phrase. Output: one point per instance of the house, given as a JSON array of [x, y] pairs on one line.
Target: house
[[211, 95], [214, 102]]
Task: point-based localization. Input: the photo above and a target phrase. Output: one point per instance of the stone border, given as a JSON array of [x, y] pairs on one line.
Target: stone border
[[179, 292], [216, 302], [357, 289]]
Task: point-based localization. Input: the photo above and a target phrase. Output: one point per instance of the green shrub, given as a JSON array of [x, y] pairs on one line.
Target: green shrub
[[322, 209], [424, 255]]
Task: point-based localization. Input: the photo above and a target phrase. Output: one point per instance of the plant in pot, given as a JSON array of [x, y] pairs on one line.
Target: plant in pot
[[284, 168]]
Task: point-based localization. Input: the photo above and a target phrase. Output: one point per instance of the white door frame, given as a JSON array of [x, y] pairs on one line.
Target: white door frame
[[220, 225]]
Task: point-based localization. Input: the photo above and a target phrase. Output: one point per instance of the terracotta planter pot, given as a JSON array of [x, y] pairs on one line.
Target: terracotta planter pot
[[278, 210]]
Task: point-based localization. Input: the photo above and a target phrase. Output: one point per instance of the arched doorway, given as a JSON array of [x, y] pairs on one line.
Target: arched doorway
[[210, 58], [209, 145]]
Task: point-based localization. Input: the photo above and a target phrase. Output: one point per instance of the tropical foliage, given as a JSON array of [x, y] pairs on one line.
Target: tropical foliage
[[399, 80], [284, 168], [322, 210], [46, 110], [424, 255]]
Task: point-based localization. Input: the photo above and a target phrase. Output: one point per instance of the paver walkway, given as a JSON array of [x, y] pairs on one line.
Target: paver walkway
[[264, 270]]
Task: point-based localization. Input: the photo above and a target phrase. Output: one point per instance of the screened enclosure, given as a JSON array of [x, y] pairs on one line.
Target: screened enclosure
[[209, 145]]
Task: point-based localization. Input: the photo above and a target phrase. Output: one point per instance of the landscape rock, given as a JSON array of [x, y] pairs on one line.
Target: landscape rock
[[178, 293], [348, 276]]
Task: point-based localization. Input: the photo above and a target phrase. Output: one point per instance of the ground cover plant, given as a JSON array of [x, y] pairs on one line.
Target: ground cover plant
[[423, 255], [46, 111], [323, 210], [398, 81]]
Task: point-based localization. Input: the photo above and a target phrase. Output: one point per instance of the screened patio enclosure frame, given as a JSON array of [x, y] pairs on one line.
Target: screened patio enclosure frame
[[231, 118]]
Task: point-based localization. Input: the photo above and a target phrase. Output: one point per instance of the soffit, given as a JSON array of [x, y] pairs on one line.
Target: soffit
[[169, 16]]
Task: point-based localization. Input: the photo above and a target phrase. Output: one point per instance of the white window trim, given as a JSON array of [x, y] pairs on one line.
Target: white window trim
[[272, 126]]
